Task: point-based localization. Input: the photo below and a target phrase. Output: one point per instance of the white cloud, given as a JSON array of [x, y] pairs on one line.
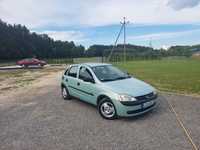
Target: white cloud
[[181, 4], [162, 35], [75, 36], [37, 13]]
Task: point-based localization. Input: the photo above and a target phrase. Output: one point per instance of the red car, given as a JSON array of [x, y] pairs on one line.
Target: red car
[[31, 62]]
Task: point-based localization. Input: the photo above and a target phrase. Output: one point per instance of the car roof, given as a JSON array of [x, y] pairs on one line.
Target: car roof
[[92, 64]]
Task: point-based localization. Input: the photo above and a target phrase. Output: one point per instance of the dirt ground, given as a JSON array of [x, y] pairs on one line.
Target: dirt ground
[[14, 79]]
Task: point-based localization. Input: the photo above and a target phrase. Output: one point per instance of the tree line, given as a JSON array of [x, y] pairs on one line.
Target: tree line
[[140, 52], [17, 42]]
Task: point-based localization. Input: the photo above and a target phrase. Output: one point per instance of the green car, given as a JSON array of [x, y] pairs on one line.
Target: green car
[[114, 92]]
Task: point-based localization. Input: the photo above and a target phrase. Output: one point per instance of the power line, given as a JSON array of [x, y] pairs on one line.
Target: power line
[[115, 42], [123, 27]]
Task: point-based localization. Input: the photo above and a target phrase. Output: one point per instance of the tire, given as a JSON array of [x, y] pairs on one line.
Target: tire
[[41, 65], [107, 109], [65, 93], [23, 66]]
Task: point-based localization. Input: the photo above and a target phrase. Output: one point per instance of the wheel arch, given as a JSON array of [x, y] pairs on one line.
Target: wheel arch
[[100, 97], [63, 85]]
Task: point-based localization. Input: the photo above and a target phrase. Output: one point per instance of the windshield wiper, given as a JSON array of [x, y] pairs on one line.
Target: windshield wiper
[[121, 78], [114, 79], [105, 80]]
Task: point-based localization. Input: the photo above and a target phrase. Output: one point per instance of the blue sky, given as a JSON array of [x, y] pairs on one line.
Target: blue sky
[[159, 35], [164, 22]]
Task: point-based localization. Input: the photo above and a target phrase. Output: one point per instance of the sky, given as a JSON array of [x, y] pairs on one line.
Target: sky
[[162, 22]]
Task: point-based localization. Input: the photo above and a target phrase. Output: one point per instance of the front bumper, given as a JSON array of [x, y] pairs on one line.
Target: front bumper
[[139, 107]]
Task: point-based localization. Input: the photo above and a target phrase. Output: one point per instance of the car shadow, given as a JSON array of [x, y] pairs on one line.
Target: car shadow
[[158, 110]]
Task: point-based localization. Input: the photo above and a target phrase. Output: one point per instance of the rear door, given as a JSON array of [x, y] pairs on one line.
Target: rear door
[[71, 81]]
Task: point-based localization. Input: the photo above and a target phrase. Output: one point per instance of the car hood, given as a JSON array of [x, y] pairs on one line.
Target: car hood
[[130, 86]]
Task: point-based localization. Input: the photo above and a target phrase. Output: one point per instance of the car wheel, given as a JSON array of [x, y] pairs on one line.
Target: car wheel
[[107, 109], [40, 65], [65, 93]]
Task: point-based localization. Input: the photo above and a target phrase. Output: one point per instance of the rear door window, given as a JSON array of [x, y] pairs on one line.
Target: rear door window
[[73, 71]]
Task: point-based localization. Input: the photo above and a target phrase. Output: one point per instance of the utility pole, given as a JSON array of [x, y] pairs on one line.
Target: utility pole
[[124, 25]]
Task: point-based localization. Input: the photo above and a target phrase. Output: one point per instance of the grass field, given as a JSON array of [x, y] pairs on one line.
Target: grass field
[[87, 59], [178, 75], [3, 64], [173, 75]]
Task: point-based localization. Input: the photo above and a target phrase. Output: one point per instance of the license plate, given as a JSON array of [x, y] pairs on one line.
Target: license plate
[[147, 104]]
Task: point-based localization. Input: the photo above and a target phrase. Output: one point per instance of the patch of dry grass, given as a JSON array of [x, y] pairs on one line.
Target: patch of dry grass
[[13, 79]]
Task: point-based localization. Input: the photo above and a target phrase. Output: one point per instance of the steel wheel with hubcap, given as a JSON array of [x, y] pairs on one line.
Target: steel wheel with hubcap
[[107, 109]]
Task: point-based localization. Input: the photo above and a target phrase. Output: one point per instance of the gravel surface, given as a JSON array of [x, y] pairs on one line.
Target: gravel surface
[[38, 118]]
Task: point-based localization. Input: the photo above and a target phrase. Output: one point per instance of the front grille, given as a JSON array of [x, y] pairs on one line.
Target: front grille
[[145, 97], [140, 110]]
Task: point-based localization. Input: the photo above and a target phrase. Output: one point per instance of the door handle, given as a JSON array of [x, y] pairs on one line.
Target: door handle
[[66, 80], [78, 83]]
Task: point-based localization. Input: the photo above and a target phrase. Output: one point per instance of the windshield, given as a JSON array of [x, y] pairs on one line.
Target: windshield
[[109, 73]]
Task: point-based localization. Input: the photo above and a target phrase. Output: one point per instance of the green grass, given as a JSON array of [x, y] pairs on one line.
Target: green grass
[[3, 64], [87, 59], [173, 75]]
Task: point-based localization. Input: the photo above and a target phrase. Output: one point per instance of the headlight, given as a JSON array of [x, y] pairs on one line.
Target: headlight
[[124, 97]]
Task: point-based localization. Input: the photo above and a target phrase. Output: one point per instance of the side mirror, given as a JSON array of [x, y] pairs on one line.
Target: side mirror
[[129, 75], [126, 72]]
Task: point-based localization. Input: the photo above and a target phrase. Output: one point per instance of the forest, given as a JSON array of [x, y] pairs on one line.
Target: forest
[[16, 42]]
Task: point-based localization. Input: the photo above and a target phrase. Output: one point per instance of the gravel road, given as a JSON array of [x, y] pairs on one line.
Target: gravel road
[[38, 118]]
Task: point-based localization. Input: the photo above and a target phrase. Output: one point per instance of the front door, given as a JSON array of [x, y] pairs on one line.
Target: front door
[[86, 86]]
